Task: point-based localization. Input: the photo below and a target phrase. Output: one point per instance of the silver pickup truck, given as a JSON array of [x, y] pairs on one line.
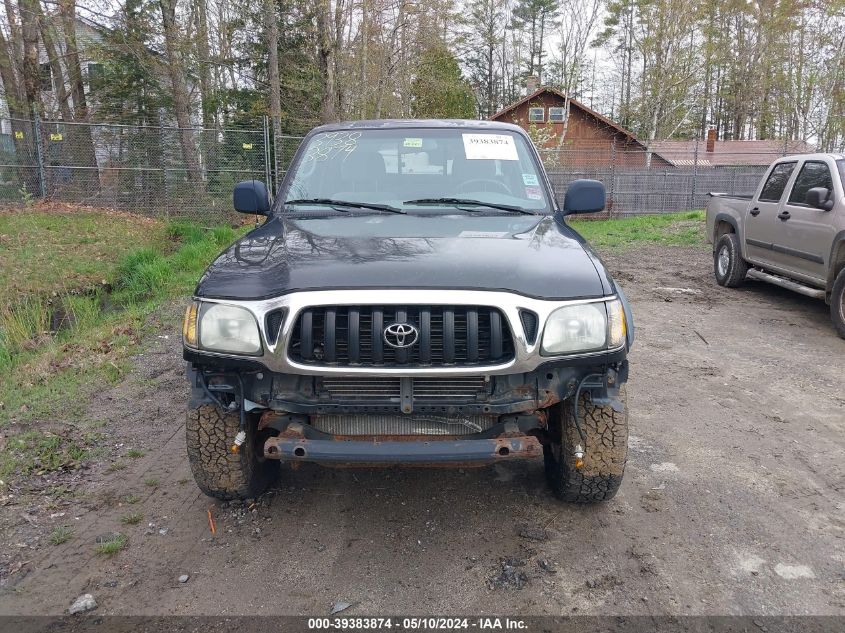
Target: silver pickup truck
[[790, 233]]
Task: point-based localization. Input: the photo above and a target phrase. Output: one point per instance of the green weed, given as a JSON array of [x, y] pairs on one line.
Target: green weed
[[133, 518], [113, 545], [61, 534]]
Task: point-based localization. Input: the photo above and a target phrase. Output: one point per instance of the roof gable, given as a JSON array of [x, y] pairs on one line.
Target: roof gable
[[573, 103]]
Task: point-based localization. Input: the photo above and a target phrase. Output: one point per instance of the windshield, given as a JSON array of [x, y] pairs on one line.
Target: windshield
[[421, 166]]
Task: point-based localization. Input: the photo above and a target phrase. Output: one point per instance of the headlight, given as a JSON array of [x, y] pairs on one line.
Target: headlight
[[228, 328], [584, 327]]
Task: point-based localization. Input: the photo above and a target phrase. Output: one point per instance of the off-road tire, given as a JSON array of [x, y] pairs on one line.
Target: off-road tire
[[605, 450], [732, 269], [218, 471], [837, 303]]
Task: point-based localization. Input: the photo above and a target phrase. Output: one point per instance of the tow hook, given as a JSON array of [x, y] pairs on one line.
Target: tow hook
[[240, 438], [579, 457]]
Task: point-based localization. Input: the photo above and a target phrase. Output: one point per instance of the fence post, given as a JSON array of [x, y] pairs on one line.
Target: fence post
[[612, 176], [163, 168], [276, 141], [39, 152], [694, 175], [267, 174]]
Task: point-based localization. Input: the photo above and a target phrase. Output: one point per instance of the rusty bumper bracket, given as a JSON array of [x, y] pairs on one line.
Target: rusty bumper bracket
[[414, 452]]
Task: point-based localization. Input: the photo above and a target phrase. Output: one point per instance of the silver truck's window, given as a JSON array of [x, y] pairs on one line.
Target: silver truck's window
[[813, 174], [390, 166], [776, 182]]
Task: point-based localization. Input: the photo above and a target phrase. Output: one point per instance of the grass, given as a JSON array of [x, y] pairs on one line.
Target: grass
[[673, 229], [135, 453], [113, 545], [151, 482], [81, 292], [61, 534], [131, 499], [44, 250], [133, 518], [37, 452]]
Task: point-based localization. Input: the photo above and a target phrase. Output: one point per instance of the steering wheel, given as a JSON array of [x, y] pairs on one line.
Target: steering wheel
[[464, 186]]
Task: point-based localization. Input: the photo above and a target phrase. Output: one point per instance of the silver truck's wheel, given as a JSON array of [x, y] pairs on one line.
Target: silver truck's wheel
[[218, 471], [837, 303], [605, 450], [728, 265]]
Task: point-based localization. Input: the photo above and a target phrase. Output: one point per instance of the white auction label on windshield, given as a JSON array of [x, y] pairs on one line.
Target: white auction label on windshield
[[490, 147]]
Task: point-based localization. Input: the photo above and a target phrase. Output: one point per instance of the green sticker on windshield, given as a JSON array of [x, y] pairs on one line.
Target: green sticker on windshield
[[530, 179], [412, 142]]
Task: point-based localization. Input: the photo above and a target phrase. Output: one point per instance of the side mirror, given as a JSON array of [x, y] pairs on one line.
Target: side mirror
[[584, 196], [251, 196], [819, 198]]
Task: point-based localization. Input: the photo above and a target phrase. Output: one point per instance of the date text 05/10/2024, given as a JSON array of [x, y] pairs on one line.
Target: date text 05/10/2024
[[418, 624]]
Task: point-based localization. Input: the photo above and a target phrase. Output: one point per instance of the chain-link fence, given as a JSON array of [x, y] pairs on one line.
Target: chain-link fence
[[667, 176], [151, 170], [168, 171]]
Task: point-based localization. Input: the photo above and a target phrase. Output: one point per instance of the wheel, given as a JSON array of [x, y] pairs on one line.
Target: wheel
[[728, 264], [218, 471], [605, 450], [837, 303]]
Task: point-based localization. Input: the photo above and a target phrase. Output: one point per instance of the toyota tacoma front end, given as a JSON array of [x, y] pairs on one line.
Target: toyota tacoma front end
[[414, 297]]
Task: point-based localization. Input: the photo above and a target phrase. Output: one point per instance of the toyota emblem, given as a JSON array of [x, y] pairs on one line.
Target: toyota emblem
[[400, 335]]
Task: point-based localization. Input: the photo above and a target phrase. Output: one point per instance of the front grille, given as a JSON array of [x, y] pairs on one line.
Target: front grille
[[402, 424], [377, 389], [448, 336]]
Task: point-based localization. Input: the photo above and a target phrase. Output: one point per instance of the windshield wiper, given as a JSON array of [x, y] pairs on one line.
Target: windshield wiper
[[346, 203], [459, 202]]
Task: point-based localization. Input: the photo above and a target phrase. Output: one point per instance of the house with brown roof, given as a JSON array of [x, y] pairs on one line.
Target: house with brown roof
[[714, 153], [570, 134]]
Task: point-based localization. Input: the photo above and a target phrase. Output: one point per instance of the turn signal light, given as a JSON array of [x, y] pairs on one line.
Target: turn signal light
[[189, 326]]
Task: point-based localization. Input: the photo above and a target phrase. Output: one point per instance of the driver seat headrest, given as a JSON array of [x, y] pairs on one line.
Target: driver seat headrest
[[363, 171]]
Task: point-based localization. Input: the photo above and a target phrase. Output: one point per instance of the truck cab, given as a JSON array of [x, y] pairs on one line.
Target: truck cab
[[790, 232]]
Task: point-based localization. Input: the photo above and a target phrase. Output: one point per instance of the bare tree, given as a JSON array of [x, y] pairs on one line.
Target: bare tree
[[577, 26], [48, 36], [181, 97], [326, 50], [204, 63], [29, 34], [272, 21]]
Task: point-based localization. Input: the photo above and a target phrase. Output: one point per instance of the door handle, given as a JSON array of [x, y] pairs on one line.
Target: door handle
[[755, 211], [784, 215]]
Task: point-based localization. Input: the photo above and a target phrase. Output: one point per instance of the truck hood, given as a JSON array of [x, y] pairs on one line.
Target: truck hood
[[536, 256]]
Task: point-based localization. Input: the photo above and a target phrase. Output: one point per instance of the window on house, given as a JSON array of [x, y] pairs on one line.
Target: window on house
[[557, 115], [95, 75], [45, 77], [536, 115]]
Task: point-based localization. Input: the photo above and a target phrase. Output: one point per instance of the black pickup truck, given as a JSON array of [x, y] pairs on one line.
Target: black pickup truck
[[414, 297]]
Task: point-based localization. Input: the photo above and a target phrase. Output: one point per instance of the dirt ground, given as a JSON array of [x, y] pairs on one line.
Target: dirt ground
[[732, 501]]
